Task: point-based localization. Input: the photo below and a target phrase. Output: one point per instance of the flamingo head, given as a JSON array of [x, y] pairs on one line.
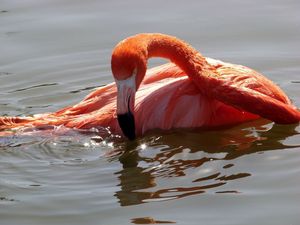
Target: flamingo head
[[128, 66]]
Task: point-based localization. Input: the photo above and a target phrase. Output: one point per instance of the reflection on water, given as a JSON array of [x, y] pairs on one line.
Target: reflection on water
[[162, 156], [176, 154], [158, 168]]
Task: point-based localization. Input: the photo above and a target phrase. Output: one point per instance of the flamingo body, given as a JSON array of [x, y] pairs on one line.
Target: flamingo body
[[169, 97], [166, 99]]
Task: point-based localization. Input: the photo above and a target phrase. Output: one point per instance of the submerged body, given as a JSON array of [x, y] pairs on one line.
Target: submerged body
[[169, 97]]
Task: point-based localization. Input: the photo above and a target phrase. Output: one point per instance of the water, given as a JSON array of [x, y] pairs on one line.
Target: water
[[53, 53]]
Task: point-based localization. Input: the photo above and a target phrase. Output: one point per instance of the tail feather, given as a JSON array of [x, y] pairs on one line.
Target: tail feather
[[12, 121]]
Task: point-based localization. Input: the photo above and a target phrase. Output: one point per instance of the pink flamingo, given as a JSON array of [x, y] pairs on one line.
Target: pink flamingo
[[192, 91]]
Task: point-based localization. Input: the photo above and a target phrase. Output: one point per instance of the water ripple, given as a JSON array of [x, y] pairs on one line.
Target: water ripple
[[34, 86]]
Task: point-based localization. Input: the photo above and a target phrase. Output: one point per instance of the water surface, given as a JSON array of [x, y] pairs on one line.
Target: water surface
[[53, 53]]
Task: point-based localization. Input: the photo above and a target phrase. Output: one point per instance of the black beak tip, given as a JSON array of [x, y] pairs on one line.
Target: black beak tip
[[127, 124]]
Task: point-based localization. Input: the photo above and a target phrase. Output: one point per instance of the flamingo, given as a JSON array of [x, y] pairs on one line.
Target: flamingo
[[191, 91]]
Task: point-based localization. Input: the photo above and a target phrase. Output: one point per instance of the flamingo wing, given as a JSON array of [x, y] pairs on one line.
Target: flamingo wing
[[95, 110], [248, 90], [168, 99]]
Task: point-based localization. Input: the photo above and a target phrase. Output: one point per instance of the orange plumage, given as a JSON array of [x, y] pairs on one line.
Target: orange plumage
[[196, 92]]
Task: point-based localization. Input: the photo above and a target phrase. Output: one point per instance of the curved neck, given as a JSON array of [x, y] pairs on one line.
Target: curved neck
[[180, 53], [134, 52]]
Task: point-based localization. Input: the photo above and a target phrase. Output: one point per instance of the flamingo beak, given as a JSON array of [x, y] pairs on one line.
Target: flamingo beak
[[125, 106]]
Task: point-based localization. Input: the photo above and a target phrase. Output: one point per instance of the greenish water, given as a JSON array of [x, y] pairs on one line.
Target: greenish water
[[54, 52]]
